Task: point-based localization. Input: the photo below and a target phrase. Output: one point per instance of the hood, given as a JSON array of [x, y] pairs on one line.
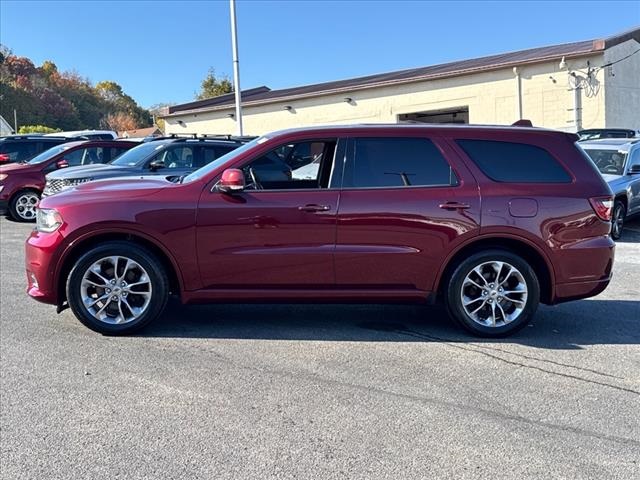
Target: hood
[[617, 183], [117, 188], [609, 178], [96, 171], [20, 167]]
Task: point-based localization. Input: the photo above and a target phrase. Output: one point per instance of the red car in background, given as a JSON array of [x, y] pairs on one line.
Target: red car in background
[[21, 184]]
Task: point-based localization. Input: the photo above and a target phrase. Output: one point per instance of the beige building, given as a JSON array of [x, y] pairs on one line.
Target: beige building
[[573, 86]]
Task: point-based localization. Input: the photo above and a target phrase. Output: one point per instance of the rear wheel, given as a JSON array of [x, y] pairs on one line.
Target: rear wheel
[[493, 293], [117, 288], [617, 219], [23, 205]]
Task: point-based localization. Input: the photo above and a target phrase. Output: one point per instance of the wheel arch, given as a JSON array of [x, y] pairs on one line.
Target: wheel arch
[[623, 197], [529, 252], [80, 247]]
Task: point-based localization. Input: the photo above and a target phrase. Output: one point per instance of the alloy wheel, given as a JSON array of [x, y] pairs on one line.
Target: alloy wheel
[[494, 294], [617, 222], [25, 205], [116, 290]]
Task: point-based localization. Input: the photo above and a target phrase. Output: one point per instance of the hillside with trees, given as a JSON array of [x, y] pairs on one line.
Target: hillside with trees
[[44, 96]]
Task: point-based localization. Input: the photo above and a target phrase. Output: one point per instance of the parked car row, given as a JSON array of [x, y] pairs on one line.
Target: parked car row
[[21, 148], [490, 221], [74, 162]]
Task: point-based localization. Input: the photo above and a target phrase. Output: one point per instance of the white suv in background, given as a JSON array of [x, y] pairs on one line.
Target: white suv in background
[[87, 134]]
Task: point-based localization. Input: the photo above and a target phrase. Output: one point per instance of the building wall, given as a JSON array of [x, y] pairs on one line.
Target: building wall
[[622, 86], [490, 96]]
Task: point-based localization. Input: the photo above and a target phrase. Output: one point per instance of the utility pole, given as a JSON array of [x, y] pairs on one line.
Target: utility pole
[[15, 120], [236, 66]]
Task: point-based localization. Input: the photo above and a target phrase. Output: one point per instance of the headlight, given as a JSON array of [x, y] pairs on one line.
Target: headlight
[[47, 220], [3, 176]]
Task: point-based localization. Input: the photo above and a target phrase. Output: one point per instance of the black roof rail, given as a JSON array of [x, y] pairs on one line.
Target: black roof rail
[[210, 136]]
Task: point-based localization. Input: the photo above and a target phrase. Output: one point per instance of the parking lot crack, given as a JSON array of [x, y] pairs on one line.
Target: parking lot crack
[[480, 349]]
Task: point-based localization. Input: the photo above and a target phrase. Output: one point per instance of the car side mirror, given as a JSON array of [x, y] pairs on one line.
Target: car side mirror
[[62, 163], [232, 181], [156, 165], [635, 169]]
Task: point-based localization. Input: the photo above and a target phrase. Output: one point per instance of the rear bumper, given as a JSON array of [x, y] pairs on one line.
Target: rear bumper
[[566, 292], [586, 269]]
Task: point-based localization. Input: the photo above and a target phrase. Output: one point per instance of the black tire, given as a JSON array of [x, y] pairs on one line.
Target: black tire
[[18, 210], [157, 280], [617, 219], [502, 328]]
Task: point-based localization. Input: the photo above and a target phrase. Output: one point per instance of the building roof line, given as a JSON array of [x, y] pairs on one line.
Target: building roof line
[[264, 96]]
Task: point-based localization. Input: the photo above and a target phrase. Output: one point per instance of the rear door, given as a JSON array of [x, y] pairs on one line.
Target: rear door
[[405, 203]]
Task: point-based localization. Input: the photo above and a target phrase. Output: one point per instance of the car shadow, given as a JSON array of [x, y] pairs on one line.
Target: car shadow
[[631, 232], [567, 326]]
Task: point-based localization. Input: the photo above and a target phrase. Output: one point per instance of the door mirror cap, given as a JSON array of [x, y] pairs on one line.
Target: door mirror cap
[[232, 181], [634, 169], [156, 165], [62, 163]]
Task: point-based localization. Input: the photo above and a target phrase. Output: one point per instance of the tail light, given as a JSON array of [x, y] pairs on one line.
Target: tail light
[[4, 157], [603, 207]]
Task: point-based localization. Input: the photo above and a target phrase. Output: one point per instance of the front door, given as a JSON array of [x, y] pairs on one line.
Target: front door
[[403, 207], [280, 231]]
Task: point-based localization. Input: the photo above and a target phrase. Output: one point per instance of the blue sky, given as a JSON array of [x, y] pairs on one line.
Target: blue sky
[[159, 51]]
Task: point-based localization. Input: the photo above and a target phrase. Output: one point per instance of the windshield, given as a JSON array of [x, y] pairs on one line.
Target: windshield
[[611, 162], [48, 154], [139, 154], [228, 157]]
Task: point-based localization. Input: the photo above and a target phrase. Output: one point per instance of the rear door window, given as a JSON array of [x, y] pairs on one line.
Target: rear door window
[[212, 152], [514, 162], [397, 162], [84, 156], [115, 152], [176, 157]]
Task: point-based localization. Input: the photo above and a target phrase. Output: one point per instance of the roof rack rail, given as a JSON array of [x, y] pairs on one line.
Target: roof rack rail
[[208, 136]]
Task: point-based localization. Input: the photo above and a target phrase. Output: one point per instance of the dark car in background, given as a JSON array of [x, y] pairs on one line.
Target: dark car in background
[[491, 221], [596, 133], [618, 160], [21, 184], [164, 156], [21, 148]]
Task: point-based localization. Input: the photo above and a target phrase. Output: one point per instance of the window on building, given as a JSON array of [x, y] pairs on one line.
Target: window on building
[[514, 162]]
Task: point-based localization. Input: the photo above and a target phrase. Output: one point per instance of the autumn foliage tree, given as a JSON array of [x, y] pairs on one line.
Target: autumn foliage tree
[[45, 96]]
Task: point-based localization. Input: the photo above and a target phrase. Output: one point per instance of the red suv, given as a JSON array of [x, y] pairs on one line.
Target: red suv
[[21, 184], [489, 220]]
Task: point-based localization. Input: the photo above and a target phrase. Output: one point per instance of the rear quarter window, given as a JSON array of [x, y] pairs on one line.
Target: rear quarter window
[[514, 162]]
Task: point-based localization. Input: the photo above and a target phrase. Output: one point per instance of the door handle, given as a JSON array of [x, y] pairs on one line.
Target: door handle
[[314, 208], [454, 206]]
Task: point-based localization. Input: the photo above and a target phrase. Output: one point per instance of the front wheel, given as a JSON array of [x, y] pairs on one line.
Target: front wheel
[[617, 219], [23, 205], [493, 293], [117, 288]]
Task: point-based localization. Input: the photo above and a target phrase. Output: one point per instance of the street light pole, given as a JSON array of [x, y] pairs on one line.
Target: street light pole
[[236, 66]]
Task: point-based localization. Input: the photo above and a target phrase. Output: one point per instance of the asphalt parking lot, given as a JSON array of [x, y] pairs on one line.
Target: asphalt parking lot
[[320, 391]]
